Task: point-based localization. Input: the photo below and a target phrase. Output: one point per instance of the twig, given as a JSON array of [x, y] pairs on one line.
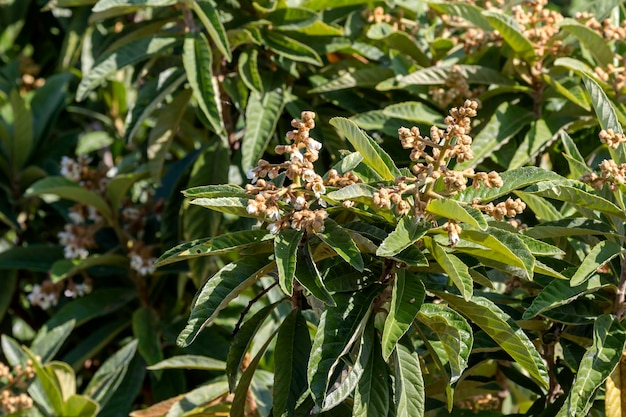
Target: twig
[[249, 306]]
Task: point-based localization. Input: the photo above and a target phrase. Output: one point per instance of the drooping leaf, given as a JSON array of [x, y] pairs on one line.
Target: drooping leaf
[[456, 270], [48, 341], [511, 33], [601, 253], [215, 190], [211, 21], [538, 137], [145, 323], [373, 155], [103, 5], [415, 112], [407, 298], [292, 18], [407, 232], [501, 328], [201, 362], [289, 47], [293, 344], [363, 77], [433, 75], [466, 11], [409, 383], [230, 205], [340, 241], [588, 37], [454, 333], [309, 276], [218, 291], [398, 40], [339, 328], [596, 365], [285, 251], [249, 70], [371, 398], [454, 210]]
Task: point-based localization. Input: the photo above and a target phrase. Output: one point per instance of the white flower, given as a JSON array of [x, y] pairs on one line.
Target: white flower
[[252, 175], [252, 207], [273, 228], [273, 213], [319, 189], [39, 298], [144, 266], [453, 237], [309, 175], [296, 157], [70, 169], [314, 145], [322, 202], [300, 203], [76, 217]]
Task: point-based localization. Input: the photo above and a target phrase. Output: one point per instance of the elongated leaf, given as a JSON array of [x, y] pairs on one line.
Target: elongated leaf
[[213, 246], [218, 291], [285, 251], [189, 362], [21, 143], [507, 120], [602, 253], [130, 53], [598, 363], [373, 155], [241, 342], [371, 398], [292, 18], [538, 137], [213, 24], [230, 205], [398, 40], [109, 376], [338, 329], [64, 188], [456, 270], [249, 70], [454, 333], [454, 210], [309, 276], [197, 398], [510, 32], [433, 75], [407, 298], [262, 114], [197, 60], [103, 5], [365, 77], [290, 48], [145, 323], [294, 347], [48, 341], [560, 292], [50, 385], [407, 232], [213, 191], [576, 194], [65, 268], [572, 94], [96, 304], [409, 383], [466, 11], [501, 328], [614, 401], [596, 45], [569, 227], [80, 406], [415, 112], [340, 241]]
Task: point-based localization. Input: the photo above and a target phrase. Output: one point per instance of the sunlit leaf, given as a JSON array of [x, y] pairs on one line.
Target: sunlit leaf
[[456, 270], [409, 383], [601, 253], [407, 232], [340, 241]]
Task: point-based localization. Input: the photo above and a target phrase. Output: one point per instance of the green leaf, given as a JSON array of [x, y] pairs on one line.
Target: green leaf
[[398, 40], [230, 205], [163, 133], [213, 191], [109, 376], [22, 140], [501, 328], [65, 268], [262, 114], [371, 398], [454, 333], [64, 188], [512, 180], [39, 258], [596, 365], [197, 398], [64, 376], [569, 227], [130, 53], [103, 5], [339, 328], [241, 392], [293, 344], [292, 18], [454, 210], [197, 60], [249, 70], [574, 94], [602, 253], [242, 340], [340, 241], [96, 304], [407, 298], [536, 139], [407, 232], [409, 383], [511, 33], [576, 194], [363, 77], [414, 111], [285, 250], [588, 37], [80, 406], [560, 292], [373, 155], [145, 323], [456, 270], [203, 363], [506, 121], [213, 24], [220, 290], [92, 344], [466, 11], [49, 383], [290, 48], [225, 243], [48, 341], [309, 276]]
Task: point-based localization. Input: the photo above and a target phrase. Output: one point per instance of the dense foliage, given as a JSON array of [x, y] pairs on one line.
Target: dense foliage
[[312, 207]]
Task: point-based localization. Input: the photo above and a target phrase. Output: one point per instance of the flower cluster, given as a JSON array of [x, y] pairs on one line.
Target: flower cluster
[[615, 76], [606, 28], [539, 25], [141, 259], [611, 139], [293, 206], [455, 90], [15, 382], [508, 208], [47, 294]]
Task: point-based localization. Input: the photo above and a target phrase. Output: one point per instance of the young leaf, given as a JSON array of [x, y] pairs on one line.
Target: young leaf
[[49, 383], [454, 333], [373, 155], [365, 77], [130, 53], [197, 60], [48, 341], [262, 114], [409, 383], [456, 270], [510, 32], [454, 210], [80, 406], [372, 394], [213, 24], [338, 329], [219, 290], [293, 344], [407, 232], [466, 11], [602, 253], [398, 40], [407, 298], [340, 241], [501, 328], [285, 251], [596, 365]]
